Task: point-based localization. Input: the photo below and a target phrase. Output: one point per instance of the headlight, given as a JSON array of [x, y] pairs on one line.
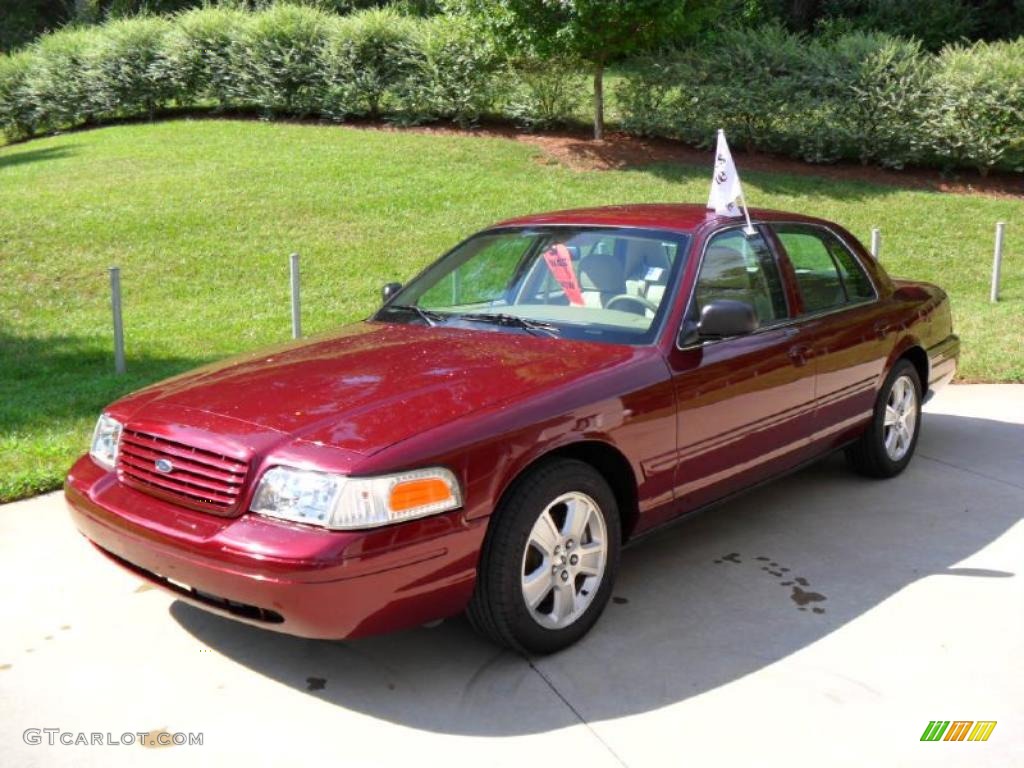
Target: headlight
[[104, 441], [340, 502]]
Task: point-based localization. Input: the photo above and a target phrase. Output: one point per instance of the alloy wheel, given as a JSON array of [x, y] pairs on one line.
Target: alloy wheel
[[900, 418], [564, 560]]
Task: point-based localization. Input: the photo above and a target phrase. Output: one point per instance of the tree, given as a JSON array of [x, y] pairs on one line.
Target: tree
[[594, 32]]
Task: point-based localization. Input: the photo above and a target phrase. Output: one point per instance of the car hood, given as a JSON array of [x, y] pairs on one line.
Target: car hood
[[371, 385]]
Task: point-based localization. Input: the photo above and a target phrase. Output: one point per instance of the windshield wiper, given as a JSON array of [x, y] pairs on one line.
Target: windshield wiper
[[512, 321], [427, 316]]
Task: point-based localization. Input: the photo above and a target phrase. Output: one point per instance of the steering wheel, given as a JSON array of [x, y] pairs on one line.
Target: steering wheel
[[644, 302]]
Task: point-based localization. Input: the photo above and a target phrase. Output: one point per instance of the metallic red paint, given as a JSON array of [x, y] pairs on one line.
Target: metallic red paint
[[687, 425]]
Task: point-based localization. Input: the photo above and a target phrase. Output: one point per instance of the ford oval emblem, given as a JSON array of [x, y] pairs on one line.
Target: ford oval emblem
[[163, 465]]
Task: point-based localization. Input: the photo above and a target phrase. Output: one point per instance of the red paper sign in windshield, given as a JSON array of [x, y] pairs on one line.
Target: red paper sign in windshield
[[559, 261]]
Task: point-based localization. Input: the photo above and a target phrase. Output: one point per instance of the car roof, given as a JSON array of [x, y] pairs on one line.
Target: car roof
[[683, 218]]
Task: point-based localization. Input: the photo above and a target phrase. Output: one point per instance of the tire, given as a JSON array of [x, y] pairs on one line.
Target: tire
[[879, 452], [519, 559]]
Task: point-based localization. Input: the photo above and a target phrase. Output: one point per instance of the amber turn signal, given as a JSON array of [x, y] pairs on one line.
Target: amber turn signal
[[420, 492]]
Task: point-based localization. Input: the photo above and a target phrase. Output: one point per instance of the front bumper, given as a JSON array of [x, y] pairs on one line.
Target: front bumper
[[286, 577]]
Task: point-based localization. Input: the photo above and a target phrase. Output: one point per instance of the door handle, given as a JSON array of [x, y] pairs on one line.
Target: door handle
[[800, 354], [882, 328]]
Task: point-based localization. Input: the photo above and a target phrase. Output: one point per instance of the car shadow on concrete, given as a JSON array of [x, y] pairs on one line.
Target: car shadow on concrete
[[718, 596]]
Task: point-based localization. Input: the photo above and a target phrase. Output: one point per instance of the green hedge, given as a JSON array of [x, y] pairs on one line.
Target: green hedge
[[284, 60], [860, 96]]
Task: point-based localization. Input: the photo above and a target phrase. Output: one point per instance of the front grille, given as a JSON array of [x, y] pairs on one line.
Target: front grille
[[199, 479]]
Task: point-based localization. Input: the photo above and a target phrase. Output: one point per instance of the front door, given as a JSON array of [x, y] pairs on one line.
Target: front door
[[745, 403]]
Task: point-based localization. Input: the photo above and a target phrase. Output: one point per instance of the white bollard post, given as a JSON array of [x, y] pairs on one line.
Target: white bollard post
[[294, 273], [876, 242], [115, 306], [997, 261]]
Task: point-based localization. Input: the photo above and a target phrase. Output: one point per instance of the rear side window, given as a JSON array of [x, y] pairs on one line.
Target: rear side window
[[827, 274]]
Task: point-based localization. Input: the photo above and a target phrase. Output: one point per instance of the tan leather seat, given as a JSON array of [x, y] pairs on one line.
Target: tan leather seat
[[602, 276]]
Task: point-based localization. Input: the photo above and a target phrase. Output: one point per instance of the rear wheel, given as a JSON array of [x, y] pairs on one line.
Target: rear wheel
[[887, 446], [549, 560]]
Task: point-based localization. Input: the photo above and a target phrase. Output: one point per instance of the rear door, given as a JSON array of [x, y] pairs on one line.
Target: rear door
[[843, 324], [743, 403]]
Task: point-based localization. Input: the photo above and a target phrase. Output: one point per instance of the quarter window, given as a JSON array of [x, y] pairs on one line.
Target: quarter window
[[742, 268]]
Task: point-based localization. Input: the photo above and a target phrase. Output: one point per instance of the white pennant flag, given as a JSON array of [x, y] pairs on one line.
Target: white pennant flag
[[725, 184]]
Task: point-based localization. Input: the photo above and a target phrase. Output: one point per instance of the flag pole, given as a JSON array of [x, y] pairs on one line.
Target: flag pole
[[749, 229]]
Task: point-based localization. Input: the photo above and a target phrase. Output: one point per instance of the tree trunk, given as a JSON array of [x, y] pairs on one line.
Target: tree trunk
[[599, 102]]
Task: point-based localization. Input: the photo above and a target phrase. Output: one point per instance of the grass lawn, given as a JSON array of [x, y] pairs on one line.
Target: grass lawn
[[201, 217]]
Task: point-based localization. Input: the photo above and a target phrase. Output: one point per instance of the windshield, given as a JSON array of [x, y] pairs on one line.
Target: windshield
[[602, 283]]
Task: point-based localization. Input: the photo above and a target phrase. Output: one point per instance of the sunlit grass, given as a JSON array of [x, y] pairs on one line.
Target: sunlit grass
[[201, 217]]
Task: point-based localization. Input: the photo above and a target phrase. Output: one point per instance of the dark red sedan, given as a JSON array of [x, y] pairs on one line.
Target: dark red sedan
[[547, 391]]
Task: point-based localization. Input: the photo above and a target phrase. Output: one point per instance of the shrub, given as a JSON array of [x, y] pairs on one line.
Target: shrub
[[197, 60], [976, 116], [859, 96], [457, 77], [870, 94], [366, 60], [547, 92], [60, 84], [842, 95], [17, 116], [278, 60], [124, 72], [651, 94]]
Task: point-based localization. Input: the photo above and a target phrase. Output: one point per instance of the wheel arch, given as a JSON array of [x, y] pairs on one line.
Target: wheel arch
[[607, 460], [911, 349]]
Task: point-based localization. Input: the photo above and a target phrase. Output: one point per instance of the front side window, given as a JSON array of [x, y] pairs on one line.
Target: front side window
[[742, 268], [602, 283], [827, 274]]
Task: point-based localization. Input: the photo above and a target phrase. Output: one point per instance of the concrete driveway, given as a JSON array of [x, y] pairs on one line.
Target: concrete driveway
[[822, 620]]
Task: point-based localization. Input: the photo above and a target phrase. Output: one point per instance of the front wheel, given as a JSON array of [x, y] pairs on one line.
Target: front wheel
[[887, 446], [549, 560]]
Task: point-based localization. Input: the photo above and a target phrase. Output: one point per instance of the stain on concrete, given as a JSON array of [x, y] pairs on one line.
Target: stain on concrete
[[316, 683], [153, 741], [65, 626], [802, 597], [620, 600], [4, 666], [48, 637]]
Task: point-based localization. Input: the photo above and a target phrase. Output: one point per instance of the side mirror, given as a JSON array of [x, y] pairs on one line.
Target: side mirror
[[726, 317], [389, 290]]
